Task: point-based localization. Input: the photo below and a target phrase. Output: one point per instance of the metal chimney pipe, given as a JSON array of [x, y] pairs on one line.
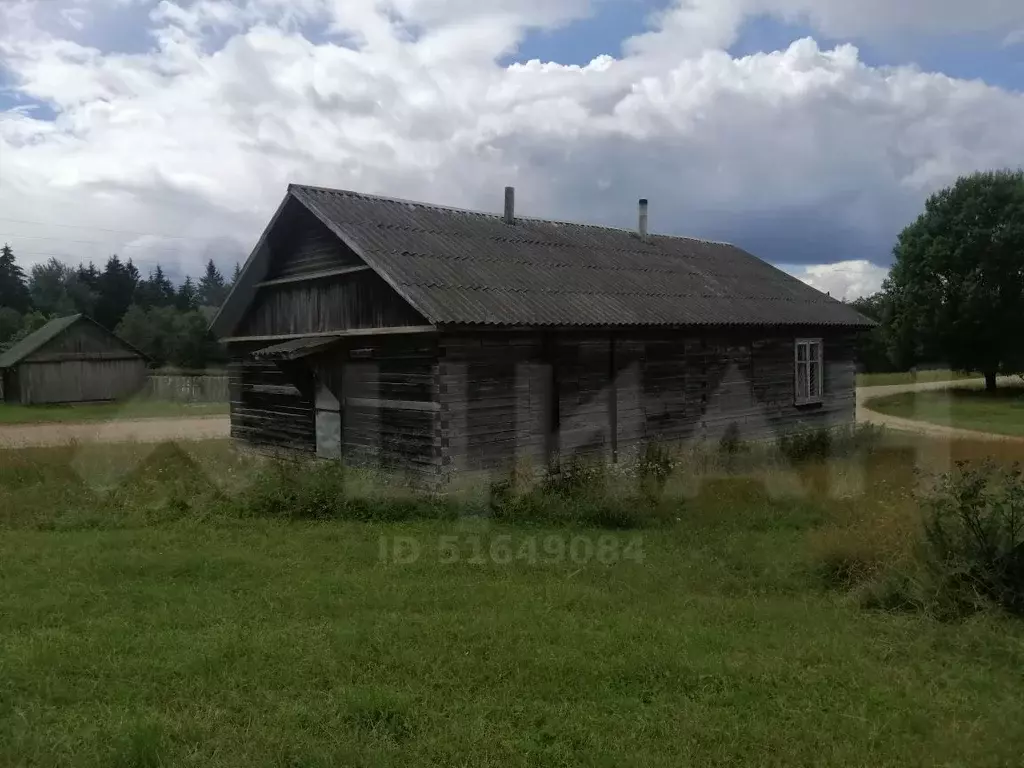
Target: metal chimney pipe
[[643, 218], [510, 205]]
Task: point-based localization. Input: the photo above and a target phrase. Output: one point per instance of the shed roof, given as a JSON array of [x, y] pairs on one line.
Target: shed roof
[[293, 349], [471, 268], [36, 339], [46, 333]]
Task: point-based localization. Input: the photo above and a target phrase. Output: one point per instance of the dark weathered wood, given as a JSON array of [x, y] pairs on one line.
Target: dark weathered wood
[[269, 406], [305, 277], [360, 300], [303, 245]]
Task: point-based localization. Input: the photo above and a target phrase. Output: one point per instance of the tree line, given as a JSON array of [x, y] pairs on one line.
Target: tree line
[[167, 322], [955, 294]]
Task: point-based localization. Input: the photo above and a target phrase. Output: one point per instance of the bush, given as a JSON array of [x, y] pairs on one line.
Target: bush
[[834, 442], [973, 548]]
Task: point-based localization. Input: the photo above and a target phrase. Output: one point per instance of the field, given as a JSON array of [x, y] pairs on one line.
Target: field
[[149, 619], [911, 377], [1001, 411], [132, 409]]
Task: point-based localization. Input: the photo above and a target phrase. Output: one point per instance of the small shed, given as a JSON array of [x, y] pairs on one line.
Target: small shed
[[436, 340], [71, 359]]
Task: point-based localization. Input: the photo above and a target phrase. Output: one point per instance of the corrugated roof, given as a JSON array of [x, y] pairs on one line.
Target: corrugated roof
[[466, 267], [51, 330], [36, 339], [293, 349]]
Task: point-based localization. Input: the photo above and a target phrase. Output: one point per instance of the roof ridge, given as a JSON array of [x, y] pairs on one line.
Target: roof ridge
[[490, 214]]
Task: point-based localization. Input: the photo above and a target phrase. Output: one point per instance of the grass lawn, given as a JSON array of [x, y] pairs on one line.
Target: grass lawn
[[132, 409], [141, 625], [1001, 411], [909, 377]]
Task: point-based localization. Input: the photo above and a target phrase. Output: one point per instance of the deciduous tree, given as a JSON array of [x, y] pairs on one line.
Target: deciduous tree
[[957, 283]]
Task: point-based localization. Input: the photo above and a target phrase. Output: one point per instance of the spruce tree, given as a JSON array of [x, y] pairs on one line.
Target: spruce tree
[[13, 290]]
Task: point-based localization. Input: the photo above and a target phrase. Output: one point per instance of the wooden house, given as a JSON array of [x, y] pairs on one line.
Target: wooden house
[[434, 339], [71, 359]]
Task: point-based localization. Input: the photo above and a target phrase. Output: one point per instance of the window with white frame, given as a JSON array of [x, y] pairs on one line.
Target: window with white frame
[[808, 371]]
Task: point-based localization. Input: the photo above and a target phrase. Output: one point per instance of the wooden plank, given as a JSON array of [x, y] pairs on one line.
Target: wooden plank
[[351, 332], [309, 276], [407, 405]]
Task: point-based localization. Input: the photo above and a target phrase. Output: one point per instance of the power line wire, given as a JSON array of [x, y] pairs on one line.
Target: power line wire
[[101, 229], [14, 237]]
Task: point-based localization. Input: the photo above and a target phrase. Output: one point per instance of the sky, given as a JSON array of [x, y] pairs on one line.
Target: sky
[[809, 132]]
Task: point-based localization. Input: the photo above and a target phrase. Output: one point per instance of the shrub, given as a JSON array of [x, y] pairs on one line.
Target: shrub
[[828, 443], [973, 548]]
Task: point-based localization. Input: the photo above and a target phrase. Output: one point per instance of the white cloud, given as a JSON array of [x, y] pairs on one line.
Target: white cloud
[[845, 280], [802, 154]]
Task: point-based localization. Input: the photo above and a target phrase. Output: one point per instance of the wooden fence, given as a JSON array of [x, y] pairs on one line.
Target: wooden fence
[[187, 389]]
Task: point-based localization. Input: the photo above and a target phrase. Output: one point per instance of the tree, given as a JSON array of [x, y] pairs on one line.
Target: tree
[[236, 274], [957, 283], [13, 291], [193, 347], [212, 289], [10, 324], [151, 330], [870, 347], [49, 286], [156, 291], [187, 297], [116, 291]]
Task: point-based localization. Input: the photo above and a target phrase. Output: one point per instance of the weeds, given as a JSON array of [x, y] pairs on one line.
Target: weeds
[[973, 547]]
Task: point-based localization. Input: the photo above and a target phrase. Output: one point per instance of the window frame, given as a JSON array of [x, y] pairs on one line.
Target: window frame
[[802, 370]]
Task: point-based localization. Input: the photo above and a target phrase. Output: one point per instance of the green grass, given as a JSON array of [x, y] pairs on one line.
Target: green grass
[[1001, 412], [910, 377], [145, 622], [132, 409]]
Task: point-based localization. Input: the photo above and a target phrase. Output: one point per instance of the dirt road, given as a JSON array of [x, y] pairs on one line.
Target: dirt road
[[865, 414], [117, 431]]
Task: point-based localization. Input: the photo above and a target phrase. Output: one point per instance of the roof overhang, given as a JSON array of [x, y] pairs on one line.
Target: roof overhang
[[296, 349]]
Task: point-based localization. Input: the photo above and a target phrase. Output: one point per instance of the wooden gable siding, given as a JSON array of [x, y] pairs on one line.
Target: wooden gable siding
[[346, 302], [305, 245], [83, 341], [270, 408]]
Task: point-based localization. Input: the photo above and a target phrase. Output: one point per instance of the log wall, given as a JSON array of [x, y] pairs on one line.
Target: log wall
[[432, 405], [271, 407], [387, 391], [618, 390]]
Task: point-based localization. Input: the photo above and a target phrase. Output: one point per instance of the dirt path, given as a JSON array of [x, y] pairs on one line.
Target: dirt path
[[866, 415], [116, 431]]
